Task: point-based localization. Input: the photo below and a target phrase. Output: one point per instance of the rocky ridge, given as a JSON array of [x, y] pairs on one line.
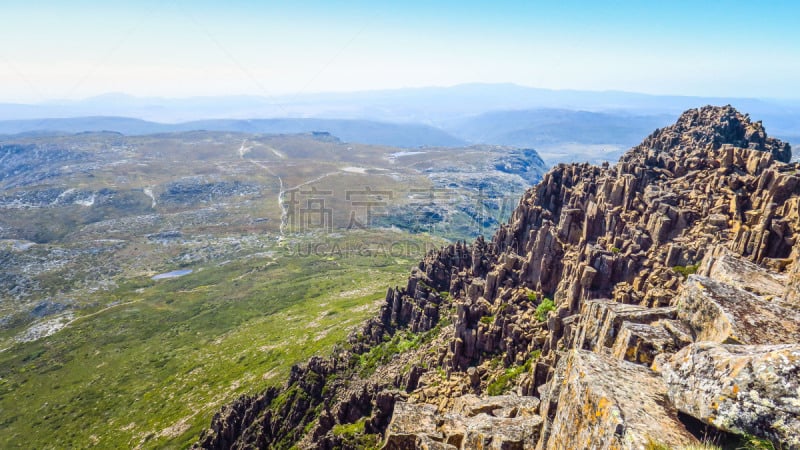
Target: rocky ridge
[[673, 280]]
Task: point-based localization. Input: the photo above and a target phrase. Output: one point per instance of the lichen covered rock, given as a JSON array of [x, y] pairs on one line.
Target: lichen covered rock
[[751, 389], [721, 312], [600, 402], [499, 423]]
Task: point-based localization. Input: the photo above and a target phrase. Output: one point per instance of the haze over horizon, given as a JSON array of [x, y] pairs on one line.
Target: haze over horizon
[[111, 96], [185, 49]]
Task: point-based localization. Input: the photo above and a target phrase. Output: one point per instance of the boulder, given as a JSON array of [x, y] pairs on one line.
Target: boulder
[[599, 402], [723, 313], [641, 343], [410, 422], [723, 266], [504, 422], [506, 406], [602, 320], [751, 389], [495, 433]]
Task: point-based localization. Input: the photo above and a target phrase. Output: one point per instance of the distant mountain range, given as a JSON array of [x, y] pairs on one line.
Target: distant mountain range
[[363, 131], [549, 126], [503, 114], [432, 105]]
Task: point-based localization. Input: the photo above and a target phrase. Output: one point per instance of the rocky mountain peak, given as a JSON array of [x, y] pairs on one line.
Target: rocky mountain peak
[[614, 298], [712, 127]]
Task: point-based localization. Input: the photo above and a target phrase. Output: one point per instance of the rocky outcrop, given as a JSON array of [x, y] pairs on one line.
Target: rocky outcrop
[[600, 274], [714, 128], [192, 190]]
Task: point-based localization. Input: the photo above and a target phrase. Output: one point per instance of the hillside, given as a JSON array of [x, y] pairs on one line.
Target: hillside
[[649, 304]]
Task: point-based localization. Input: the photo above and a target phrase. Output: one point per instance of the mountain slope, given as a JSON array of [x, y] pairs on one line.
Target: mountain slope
[[655, 266]]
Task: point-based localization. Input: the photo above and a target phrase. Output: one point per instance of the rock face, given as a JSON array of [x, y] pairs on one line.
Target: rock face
[[603, 284]]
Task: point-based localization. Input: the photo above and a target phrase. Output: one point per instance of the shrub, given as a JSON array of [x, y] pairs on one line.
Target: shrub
[[354, 436], [756, 443], [384, 352], [349, 429], [653, 445], [685, 271], [544, 309], [502, 383]]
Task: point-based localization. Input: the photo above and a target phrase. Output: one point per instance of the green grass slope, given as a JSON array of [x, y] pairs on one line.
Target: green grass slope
[[151, 371]]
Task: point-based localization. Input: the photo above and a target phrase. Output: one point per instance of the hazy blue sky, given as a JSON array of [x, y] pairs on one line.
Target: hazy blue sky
[[73, 49]]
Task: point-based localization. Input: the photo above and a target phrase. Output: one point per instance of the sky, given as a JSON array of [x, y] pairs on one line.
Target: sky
[[180, 48]]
